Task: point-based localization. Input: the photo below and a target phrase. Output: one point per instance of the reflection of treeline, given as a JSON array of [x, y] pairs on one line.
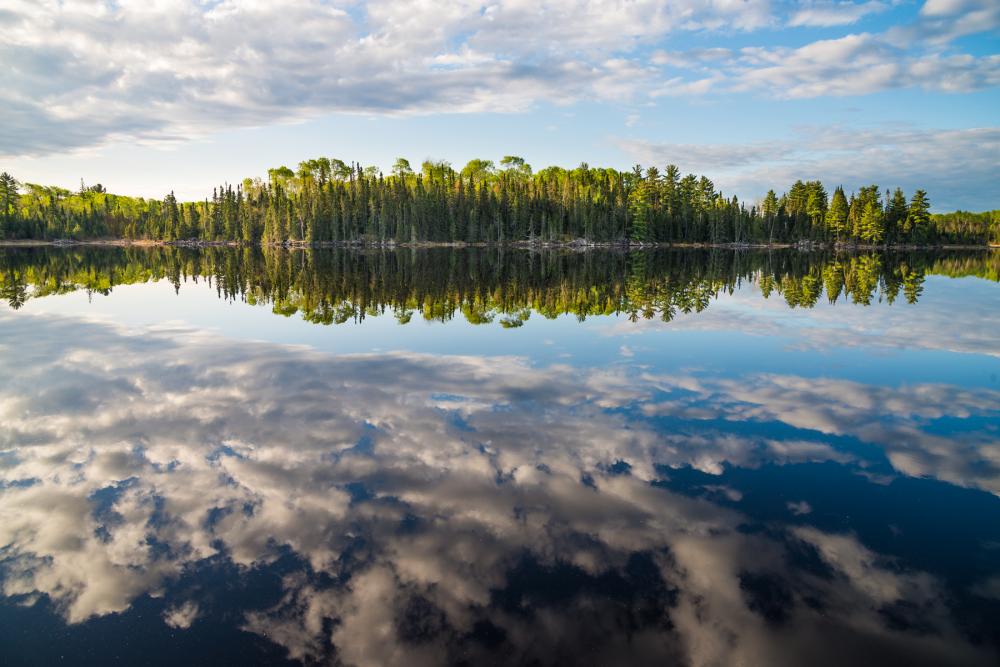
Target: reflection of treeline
[[336, 285], [960, 266], [327, 201]]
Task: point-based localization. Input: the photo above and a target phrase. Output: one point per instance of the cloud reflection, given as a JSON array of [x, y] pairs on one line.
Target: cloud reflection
[[462, 507]]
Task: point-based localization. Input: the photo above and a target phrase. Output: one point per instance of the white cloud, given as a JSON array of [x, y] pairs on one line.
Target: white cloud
[[182, 616], [957, 167], [942, 21], [86, 73], [827, 14], [857, 65], [79, 74]]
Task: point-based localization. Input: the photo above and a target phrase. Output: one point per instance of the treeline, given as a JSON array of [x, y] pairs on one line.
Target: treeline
[[960, 226], [483, 285], [328, 201]]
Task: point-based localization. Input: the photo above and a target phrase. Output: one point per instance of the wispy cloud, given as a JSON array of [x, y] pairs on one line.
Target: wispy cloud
[[86, 73], [856, 64], [827, 14], [959, 166], [78, 74]]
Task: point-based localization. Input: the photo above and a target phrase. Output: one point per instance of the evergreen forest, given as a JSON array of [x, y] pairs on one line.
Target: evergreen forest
[[326, 201], [485, 285]]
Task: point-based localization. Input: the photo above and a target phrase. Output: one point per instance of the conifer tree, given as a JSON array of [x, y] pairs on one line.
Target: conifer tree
[[918, 215], [8, 204], [836, 215], [872, 223], [895, 216]]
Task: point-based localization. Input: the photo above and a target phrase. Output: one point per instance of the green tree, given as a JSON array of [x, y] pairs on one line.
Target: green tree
[[339, 170], [477, 170], [918, 215], [816, 204], [327, 200], [836, 214], [895, 215], [401, 168], [513, 164], [8, 203], [172, 227], [872, 226]]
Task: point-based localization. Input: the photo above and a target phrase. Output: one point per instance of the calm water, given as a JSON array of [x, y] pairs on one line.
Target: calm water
[[484, 457]]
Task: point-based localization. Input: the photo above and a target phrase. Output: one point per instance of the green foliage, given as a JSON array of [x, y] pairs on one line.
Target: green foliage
[[836, 214], [967, 227], [328, 201], [8, 201], [401, 167], [918, 215], [478, 171], [340, 285], [872, 225]]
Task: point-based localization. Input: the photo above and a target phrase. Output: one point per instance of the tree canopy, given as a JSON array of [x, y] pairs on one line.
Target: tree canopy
[[325, 200]]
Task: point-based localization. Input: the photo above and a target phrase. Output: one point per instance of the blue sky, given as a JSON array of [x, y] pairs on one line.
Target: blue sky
[[146, 96]]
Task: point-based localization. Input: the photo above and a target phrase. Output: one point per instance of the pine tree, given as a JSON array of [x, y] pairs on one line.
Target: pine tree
[[918, 215], [872, 223], [836, 215], [816, 204], [895, 216], [8, 204], [326, 200], [172, 227]]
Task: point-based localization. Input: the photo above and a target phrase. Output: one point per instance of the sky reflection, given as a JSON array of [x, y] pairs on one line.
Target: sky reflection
[[419, 506]]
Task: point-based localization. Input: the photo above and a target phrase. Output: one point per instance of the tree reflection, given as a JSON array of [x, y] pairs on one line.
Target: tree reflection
[[333, 286]]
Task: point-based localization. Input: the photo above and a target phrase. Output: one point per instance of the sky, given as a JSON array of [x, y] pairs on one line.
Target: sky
[[152, 96]]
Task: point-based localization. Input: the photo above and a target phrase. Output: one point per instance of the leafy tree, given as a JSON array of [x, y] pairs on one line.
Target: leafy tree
[[280, 176], [401, 168], [513, 164], [477, 170], [339, 170]]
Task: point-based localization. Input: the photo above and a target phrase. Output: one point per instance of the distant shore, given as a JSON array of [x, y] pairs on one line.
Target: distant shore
[[578, 244]]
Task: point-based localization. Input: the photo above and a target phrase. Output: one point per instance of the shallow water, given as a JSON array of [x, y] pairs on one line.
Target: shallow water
[[414, 457]]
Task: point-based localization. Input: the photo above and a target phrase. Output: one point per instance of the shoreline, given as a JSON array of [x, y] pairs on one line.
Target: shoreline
[[579, 245]]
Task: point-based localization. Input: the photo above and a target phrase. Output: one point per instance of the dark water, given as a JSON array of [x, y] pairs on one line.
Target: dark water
[[481, 457]]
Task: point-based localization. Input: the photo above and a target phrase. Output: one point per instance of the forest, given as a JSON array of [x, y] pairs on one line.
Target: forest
[[327, 202], [484, 285]]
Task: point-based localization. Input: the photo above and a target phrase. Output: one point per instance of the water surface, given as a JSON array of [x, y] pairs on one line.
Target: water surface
[[231, 456]]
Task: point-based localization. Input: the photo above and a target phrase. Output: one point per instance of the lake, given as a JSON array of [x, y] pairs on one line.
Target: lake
[[495, 456]]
